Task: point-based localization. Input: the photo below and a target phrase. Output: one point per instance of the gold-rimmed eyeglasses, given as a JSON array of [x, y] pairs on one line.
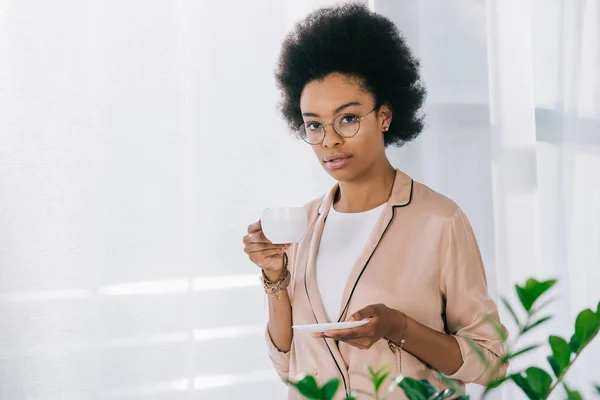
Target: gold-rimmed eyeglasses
[[346, 125]]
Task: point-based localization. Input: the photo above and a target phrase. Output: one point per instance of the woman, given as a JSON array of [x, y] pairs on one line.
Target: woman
[[379, 245]]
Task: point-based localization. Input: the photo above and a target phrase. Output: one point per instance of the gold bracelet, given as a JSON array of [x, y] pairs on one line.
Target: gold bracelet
[[397, 349], [282, 282], [281, 277]]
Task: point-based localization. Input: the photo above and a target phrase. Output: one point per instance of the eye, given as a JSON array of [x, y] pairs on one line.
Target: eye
[[312, 126], [348, 119]]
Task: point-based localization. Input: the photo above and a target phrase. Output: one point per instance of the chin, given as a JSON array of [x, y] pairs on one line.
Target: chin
[[343, 174]]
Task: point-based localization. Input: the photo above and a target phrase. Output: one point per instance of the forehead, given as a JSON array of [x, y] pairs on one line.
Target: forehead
[[325, 95]]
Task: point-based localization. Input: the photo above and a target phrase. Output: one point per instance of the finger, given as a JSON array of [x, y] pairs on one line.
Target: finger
[[366, 330], [256, 247], [272, 253], [324, 335], [256, 237], [365, 313], [255, 227], [345, 334]]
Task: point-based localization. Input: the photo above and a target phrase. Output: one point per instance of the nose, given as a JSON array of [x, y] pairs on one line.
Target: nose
[[332, 139]]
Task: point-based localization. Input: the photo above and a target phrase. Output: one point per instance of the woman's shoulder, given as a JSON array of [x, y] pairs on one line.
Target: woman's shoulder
[[432, 202]]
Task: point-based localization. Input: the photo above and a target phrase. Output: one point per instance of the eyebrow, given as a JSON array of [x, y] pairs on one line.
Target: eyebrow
[[337, 110]]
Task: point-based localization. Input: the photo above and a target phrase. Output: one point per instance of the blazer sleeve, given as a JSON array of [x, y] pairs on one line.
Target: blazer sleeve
[[468, 306], [280, 359]]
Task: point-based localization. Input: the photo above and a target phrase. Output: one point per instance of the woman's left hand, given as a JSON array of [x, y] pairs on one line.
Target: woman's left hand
[[382, 322]]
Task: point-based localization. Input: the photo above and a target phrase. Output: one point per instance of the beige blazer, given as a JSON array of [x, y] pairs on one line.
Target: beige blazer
[[422, 259]]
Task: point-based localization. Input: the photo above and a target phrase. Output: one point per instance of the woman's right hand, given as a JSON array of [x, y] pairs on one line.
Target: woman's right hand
[[260, 250]]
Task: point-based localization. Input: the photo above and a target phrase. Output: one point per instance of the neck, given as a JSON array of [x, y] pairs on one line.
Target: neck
[[367, 191]]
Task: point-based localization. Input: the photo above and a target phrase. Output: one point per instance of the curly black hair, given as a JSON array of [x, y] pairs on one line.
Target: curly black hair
[[354, 41]]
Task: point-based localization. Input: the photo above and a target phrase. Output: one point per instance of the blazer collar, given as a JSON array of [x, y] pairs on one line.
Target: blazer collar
[[401, 193]]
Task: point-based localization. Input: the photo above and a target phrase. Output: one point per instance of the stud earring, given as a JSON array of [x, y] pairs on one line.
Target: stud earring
[[385, 129]]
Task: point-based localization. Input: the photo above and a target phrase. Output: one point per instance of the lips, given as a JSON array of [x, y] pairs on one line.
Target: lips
[[337, 157], [337, 160]]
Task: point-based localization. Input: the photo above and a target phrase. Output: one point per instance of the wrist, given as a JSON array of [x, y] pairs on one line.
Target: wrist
[[274, 275], [398, 327], [276, 283]]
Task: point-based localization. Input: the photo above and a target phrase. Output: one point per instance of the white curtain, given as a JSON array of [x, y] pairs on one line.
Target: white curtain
[[514, 137], [139, 138]]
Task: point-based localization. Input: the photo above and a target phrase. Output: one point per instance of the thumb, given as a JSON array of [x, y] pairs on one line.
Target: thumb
[[365, 313]]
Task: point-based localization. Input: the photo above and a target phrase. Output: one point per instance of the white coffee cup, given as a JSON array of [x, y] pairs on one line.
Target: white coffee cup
[[284, 224]]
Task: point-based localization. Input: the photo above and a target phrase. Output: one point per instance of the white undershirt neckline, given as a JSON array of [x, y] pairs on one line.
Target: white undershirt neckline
[[342, 242]]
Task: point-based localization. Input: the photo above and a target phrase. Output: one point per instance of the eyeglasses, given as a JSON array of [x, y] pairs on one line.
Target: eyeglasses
[[346, 125]]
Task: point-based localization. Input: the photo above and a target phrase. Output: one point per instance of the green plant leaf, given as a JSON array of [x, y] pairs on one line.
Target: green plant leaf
[[330, 388], [539, 381], [449, 382], [574, 395], [532, 291], [500, 331], [574, 344], [308, 388], [379, 380], [370, 370], [522, 351], [511, 311], [560, 351], [543, 305], [586, 327], [524, 385], [381, 370], [477, 349], [413, 389], [497, 383], [571, 394], [524, 297], [597, 388], [536, 323], [442, 395], [428, 387], [554, 365], [376, 374]]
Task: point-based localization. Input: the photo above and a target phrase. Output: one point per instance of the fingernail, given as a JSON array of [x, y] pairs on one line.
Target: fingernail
[[349, 319]]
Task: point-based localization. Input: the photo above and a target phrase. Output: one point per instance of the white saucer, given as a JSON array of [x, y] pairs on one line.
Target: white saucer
[[330, 326]]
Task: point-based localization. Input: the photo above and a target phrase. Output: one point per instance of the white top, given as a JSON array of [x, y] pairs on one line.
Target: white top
[[344, 238]]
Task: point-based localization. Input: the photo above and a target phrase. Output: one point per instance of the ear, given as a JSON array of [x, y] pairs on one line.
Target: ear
[[385, 117]]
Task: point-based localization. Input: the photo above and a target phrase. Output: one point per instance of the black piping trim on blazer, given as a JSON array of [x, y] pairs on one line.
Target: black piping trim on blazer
[[355, 283], [377, 245], [327, 344]]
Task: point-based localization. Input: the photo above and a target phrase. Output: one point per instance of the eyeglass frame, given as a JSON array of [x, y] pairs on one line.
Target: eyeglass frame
[[324, 127]]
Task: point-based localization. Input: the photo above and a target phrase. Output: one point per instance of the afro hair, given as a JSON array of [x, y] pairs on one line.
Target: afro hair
[[354, 41]]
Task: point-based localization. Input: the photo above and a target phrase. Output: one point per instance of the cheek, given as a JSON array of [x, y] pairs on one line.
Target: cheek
[[370, 146]]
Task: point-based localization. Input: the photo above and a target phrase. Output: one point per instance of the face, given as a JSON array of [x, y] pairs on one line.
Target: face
[[321, 102]]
